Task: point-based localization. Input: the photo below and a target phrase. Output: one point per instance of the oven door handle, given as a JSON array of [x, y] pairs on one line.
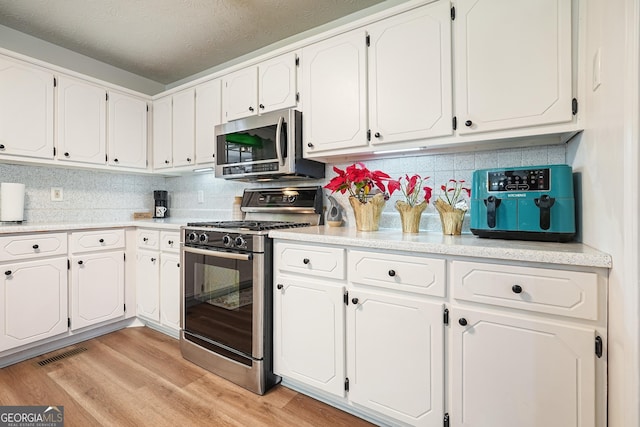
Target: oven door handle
[[278, 141], [220, 254]]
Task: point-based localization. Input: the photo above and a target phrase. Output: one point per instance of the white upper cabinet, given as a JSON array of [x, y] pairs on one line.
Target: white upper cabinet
[[334, 84], [26, 110], [184, 118], [127, 136], [162, 125], [81, 121], [513, 64], [268, 86], [410, 88], [208, 115]]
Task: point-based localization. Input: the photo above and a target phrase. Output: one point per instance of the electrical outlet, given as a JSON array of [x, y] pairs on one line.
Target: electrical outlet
[[200, 196], [56, 194]]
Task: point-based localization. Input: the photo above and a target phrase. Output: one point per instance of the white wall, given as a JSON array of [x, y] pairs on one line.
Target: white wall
[[606, 158]]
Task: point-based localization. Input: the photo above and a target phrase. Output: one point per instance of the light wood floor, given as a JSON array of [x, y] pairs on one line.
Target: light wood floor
[[137, 377]]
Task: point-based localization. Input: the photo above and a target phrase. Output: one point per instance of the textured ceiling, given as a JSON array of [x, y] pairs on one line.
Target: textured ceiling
[[168, 40]]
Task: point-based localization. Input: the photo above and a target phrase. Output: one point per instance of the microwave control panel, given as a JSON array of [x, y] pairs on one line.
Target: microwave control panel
[[519, 180], [250, 168]]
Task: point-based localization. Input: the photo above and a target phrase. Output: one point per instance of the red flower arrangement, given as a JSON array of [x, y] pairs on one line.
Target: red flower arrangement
[[359, 181], [411, 190]]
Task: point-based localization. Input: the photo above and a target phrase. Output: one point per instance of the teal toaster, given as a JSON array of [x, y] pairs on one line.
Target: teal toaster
[[525, 203]]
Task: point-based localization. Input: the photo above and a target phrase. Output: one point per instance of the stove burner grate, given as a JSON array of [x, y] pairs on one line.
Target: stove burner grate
[[249, 225]]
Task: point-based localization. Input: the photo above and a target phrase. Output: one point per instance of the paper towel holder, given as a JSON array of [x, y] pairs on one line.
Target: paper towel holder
[[11, 202]]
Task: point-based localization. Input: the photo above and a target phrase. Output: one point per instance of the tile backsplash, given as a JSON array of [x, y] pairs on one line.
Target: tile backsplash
[[107, 196]]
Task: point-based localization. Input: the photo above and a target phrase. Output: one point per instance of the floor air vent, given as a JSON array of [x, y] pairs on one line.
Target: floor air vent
[[61, 356]]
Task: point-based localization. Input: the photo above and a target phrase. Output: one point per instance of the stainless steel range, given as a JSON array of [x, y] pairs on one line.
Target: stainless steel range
[[227, 290]]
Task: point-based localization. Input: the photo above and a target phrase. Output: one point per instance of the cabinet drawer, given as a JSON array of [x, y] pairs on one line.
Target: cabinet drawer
[[84, 241], [170, 241], [32, 246], [562, 292], [322, 261], [149, 239], [409, 273]]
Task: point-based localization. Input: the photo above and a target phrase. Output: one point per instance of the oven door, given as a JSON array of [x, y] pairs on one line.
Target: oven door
[[223, 302]]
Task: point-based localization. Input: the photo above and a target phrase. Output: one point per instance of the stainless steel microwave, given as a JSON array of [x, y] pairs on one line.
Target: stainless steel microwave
[[264, 147]]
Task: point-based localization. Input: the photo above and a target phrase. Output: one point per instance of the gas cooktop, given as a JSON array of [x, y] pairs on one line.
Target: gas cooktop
[[248, 225]]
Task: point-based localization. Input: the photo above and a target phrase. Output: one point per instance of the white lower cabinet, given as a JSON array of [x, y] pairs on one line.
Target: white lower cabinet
[[395, 356], [170, 291], [515, 371], [148, 284], [33, 300]]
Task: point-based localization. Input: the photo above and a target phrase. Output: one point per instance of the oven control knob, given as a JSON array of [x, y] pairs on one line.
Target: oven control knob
[[240, 242], [227, 240], [192, 237], [204, 238]]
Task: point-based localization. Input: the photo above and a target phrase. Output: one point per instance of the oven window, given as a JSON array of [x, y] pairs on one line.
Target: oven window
[[219, 300]]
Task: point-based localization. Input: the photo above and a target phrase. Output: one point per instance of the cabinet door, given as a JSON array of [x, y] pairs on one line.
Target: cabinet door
[[240, 97], [395, 356], [26, 110], [81, 121], [170, 291], [410, 94], [509, 371], [334, 83], [127, 131], [184, 121], [97, 288], [513, 64], [309, 333], [33, 299], [162, 131], [148, 284], [277, 83], [208, 115]]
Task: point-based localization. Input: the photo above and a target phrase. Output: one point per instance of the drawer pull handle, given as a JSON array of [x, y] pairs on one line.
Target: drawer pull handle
[[462, 321], [305, 261], [80, 262], [516, 289], [170, 242], [35, 247], [144, 239], [101, 240], [355, 300], [7, 273], [392, 273], [279, 286]]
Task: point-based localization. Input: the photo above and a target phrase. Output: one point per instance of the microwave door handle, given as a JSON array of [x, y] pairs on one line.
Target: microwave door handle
[[279, 140]]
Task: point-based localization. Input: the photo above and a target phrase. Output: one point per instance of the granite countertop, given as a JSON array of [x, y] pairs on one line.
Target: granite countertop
[[25, 227], [576, 254]]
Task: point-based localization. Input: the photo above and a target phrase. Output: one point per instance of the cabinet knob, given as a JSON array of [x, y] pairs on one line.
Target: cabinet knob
[[178, 264], [170, 242], [355, 300], [144, 239], [153, 260], [66, 154], [101, 240], [279, 286], [377, 134], [468, 123], [35, 247], [462, 321], [1, 146], [115, 160], [392, 273], [305, 261], [516, 289], [188, 159], [166, 162], [310, 145], [80, 262], [262, 106], [7, 273], [251, 109]]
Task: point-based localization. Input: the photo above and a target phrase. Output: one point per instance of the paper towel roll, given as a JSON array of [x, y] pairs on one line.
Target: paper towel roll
[[11, 201]]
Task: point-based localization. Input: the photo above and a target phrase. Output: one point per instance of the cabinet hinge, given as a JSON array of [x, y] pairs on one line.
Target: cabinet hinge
[[297, 61], [69, 322], [125, 307], [147, 108], [368, 134], [297, 96], [346, 384], [54, 151], [106, 157], [368, 40], [55, 82], [445, 420], [599, 347], [445, 316], [345, 298], [574, 106], [455, 123], [124, 256], [106, 96], [68, 264], [453, 13]]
